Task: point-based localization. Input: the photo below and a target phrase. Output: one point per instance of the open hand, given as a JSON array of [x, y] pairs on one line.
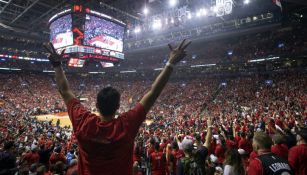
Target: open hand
[[54, 57], [178, 53], [209, 121]]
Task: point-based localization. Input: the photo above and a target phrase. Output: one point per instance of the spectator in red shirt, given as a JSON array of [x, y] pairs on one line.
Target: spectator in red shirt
[[106, 142], [173, 155], [57, 156], [245, 144], [266, 162], [279, 148], [31, 157], [298, 154], [158, 161]]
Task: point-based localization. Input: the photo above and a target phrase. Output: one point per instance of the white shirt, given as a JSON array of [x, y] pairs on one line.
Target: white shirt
[[228, 170]]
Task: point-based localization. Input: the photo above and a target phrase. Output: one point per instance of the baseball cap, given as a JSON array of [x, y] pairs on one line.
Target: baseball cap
[[187, 144], [241, 151], [213, 158]]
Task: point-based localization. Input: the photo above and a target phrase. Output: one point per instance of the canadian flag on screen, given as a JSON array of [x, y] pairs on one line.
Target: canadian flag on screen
[[278, 3]]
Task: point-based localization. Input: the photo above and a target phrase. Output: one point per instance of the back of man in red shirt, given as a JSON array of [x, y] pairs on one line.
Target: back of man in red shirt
[[158, 161], [31, 157], [298, 154], [106, 143]]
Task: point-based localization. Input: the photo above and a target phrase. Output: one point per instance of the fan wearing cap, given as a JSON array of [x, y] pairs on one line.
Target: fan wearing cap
[[298, 154], [193, 161]]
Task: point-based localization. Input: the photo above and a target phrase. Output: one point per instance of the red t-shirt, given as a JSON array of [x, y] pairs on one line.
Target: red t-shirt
[[281, 150], [104, 146], [220, 153], [55, 157], [31, 158], [255, 167], [158, 163], [297, 159], [246, 145], [175, 156]]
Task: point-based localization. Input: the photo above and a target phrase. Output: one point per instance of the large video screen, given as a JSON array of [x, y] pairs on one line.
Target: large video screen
[[61, 34], [103, 33]]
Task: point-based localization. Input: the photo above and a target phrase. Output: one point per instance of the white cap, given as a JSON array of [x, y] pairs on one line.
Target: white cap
[[213, 158], [241, 151]]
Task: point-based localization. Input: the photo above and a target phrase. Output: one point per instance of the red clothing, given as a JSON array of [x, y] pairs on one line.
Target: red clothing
[[231, 144], [158, 163], [246, 145], [31, 157], [105, 145], [297, 159], [220, 153], [281, 150], [175, 157], [55, 157], [72, 169], [255, 167]]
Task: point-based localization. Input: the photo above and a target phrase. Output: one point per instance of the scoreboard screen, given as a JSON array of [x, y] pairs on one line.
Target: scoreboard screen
[[103, 33], [61, 34]]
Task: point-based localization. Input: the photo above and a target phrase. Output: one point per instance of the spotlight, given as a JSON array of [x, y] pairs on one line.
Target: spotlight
[[246, 1], [189, 16], [172, 21], [137, 29], [145, 11], [172, 3], [157, 24], [203, 12], [198, 14]]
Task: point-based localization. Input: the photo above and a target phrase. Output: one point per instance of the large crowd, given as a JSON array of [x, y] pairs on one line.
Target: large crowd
[[60, 25], [239, 107], [95, 27]]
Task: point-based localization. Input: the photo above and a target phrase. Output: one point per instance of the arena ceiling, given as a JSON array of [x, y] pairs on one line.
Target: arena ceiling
[[31, 16]]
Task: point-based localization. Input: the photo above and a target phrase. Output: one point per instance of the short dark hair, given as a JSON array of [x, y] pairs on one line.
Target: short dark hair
[[264, 141], [108, 101], [8, 145], [157, 146]]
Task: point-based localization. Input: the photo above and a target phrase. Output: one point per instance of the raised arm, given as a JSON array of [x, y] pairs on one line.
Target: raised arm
[[209, 133], [175, 56], [60, 77]]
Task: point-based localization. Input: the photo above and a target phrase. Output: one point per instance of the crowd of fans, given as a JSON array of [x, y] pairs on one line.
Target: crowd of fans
[[239, 107], [60, 25], [95, 26]]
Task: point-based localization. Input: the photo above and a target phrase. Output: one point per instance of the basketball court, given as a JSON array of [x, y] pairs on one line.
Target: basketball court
[[63, 116]]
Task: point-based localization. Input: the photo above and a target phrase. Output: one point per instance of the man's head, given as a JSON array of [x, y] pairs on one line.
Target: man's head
[[108, 101], [262, 141], [187, 145], [9, 145], [301, 136], [157, 146]]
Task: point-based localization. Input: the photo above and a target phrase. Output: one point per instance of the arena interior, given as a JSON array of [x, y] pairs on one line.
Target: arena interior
[[206, 87]]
